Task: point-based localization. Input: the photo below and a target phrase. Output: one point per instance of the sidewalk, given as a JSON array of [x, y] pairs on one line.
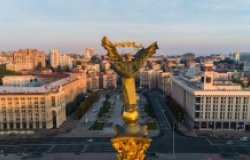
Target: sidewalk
[[109, 156]]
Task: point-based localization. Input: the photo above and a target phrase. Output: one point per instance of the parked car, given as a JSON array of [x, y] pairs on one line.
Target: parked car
[[230, 142], [244, 139]]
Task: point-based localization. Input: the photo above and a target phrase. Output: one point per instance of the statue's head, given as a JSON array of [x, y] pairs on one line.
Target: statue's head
[[128, 57]]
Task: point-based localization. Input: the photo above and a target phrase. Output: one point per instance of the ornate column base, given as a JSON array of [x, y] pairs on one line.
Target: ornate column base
[[131, 148]]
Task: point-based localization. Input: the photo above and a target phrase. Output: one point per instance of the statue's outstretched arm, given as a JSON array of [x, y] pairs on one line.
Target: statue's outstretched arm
[[112, 52]]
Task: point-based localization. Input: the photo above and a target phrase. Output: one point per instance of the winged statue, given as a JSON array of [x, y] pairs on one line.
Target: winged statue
[[127, 65]]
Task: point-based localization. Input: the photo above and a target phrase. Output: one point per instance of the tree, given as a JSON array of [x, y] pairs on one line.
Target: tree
[[39, 66], [4, 72], [59, 68], [66, 68]]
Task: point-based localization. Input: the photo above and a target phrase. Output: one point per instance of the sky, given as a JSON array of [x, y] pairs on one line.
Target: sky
[[178, 26]]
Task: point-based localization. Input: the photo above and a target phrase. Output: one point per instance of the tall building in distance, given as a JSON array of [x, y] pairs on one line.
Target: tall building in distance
[[57, 59], [54, 58], [26, 59], [89, 53]]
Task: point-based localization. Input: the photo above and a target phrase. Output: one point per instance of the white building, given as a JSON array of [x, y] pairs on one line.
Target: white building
[[213, 104]]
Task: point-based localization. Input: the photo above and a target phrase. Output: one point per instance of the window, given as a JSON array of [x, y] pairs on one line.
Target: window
[[197, 107], [208, 79], [197, 114], [197, 99]]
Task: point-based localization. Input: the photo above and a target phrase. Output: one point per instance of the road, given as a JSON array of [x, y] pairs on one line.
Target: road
[[161, 143]]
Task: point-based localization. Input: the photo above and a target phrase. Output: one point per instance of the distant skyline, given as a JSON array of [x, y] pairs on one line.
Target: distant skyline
[[179, 26]]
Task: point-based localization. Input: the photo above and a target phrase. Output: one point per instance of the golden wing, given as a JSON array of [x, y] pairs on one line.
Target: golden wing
[[148, 52], [112, 52]]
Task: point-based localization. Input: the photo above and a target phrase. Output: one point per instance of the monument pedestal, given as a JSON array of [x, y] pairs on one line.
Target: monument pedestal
[[131, 148]]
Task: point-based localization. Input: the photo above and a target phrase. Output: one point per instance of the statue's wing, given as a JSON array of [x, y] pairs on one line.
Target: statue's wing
[[148, 52], [112, 52]]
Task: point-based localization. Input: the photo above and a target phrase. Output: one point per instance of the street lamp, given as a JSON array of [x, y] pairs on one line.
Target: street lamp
[[173, 139]]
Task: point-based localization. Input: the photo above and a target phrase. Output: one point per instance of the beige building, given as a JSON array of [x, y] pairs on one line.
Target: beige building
[[24, 108], [89, 53], [212, 104], [109, 80], [90, 68], [93, 82], [148, 78], [26, 59], [57, 59], [164, 82]]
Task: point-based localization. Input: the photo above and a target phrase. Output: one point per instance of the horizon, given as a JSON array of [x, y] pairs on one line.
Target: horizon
[[204, 27]]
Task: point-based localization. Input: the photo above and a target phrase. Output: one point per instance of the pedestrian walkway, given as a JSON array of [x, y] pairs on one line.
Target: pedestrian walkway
[[114, 117]]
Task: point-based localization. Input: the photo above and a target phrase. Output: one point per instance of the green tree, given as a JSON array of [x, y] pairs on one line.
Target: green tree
[[59, 68], [66, 68], [4, 72], [39, 66]]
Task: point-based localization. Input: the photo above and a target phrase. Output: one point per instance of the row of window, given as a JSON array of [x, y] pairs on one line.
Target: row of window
[[221, 115], [24, 125], [222, 99]]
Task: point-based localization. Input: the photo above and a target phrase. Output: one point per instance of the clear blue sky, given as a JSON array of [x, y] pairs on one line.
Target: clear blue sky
[[179, 26]]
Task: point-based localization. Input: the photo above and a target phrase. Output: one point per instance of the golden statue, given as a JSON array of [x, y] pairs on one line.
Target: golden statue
[[131, 140]]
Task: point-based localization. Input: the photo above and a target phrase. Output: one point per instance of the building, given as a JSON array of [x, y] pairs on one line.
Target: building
[[89, 53], [213, 104], [93, 82], [145, 77], [235, 56], [54, 58], [26, 59], [164, 82], [89, 68], [106, 65], [27, 108], [246, 67], [57, 59], [109, 80]]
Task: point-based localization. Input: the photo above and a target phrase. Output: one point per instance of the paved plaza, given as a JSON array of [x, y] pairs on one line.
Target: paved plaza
[[113, 117]]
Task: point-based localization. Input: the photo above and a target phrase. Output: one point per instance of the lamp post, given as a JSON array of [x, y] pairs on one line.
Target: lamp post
[[173, 140]]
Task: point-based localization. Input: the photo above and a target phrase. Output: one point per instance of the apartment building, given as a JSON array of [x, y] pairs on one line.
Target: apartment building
[[27, 108]]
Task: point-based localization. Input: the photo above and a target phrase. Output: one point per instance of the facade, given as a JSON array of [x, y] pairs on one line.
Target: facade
[[93, 83], [23, 108], [109, 80], [211, 104], [26, 59], [164, 82], [235, 56], [89, 53], [149, 78], [54, 58], [145, 77], [57, 59]]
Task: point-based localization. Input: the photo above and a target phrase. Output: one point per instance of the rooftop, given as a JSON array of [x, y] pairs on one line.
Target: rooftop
[[46, 88], [197, 86]]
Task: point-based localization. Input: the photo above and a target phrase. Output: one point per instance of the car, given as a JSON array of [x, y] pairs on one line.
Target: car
[[90, 140], [230, 142], [244, 139], [94, 111]]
